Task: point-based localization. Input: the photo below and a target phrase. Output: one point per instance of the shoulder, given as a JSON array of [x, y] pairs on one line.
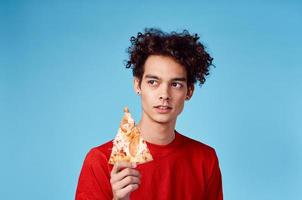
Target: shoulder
[[201, 154], [99, 153], [198, 148]]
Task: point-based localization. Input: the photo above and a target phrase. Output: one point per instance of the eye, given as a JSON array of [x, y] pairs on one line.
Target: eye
[[177, 85], [152, 82]]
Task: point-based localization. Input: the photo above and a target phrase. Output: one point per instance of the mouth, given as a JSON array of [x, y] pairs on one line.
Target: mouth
[[162, 109]]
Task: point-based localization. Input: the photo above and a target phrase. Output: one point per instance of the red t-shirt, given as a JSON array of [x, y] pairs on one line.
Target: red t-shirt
[[183, 169]]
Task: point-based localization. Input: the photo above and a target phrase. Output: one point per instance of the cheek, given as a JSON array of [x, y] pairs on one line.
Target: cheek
[[147, 98], [181, 105], [180, 101], [180, 97]]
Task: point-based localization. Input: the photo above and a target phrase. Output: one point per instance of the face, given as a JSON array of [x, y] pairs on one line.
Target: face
[[163, 89]]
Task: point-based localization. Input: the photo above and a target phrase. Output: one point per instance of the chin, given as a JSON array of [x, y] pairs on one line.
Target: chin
[[163, 119]]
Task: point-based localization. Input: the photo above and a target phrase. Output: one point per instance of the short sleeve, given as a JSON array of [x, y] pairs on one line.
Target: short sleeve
[[94, 179], [214, 185]]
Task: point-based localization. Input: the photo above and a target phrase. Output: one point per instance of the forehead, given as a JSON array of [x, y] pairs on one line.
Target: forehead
[[164, 67]]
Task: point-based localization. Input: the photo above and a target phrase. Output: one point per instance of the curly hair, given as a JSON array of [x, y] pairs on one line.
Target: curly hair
[[183, 47]]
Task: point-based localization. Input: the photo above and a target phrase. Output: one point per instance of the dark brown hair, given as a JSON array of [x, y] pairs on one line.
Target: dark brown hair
[[183, 47]]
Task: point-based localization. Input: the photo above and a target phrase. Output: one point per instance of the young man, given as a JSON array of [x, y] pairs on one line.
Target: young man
[[165, 67]]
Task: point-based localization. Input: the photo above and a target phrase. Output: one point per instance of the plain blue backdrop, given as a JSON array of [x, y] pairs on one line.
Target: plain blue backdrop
[[63, 86]]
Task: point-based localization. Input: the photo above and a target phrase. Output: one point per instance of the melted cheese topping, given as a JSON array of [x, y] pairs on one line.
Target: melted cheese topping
[[127, 133]]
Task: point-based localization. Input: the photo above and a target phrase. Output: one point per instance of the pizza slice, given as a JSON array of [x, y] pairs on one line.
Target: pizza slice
[[128, 145]]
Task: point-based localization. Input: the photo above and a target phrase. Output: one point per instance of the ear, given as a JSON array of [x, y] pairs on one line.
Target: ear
[[136, 85], [190, 92]]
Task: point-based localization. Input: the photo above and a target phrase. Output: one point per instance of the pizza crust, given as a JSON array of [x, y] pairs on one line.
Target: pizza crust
[[128, 145]]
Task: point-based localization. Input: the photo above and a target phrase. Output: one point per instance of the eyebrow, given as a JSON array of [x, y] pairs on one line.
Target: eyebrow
[[182, 79], [151, 76]]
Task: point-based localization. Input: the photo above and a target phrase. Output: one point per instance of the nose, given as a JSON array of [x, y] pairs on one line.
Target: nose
[[164, 93], [164, 98]]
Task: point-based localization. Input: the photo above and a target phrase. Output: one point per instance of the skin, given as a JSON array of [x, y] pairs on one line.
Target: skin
[[164, 83], [124, 179]]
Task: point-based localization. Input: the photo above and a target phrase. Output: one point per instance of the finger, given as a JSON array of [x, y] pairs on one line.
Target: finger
[[127, 190], [126, 181], [119, 165], [122, 174]]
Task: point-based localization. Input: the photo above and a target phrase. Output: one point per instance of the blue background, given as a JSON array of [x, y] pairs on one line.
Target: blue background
[[63, 87]]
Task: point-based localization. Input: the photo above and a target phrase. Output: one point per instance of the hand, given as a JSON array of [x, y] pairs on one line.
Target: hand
[[124, 180]]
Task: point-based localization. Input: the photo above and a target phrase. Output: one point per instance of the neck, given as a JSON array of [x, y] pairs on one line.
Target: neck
[[157, 133]]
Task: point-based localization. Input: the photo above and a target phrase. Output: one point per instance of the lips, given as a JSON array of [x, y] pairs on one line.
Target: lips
[[162, 109]]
